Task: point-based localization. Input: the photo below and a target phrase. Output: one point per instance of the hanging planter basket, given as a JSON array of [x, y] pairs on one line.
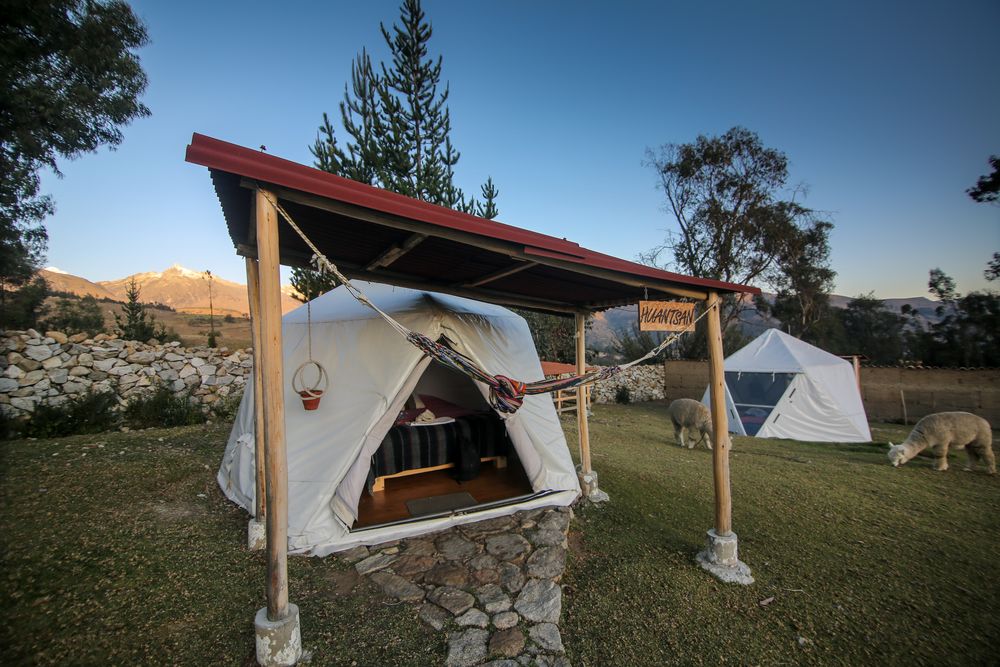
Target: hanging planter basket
[[312, 393]]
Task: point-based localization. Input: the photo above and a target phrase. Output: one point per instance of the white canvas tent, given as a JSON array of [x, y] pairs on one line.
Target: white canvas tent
[[778, 386], [372, 371]]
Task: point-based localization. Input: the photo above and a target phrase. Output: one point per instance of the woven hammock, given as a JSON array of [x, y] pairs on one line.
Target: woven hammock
[[506, 394]]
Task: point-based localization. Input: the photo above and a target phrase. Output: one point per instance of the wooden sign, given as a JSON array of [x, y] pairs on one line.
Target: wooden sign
[[665, 315]]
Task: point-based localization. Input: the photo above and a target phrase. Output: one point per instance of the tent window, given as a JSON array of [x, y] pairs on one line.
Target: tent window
[[755, 395]]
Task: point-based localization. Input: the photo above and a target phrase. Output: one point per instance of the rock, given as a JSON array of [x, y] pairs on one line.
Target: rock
[[79, 371], [508, 546], [505, 619], [28, 405], [141, 357], [503, 662], [485, 577], [354, 554], [466, 648], [13, 372], [454, 600], [187, 371], [8, 385], [172, 356], [106, 365], [473, 618], [197, 362], [29, 365], [506, 643], [455, 547], [374, 563], [59, 376], [433, 615], [78, 338], [413, 566], [555, 520], [547, 636], [168, 375], [397, 587], [207, 369], [489, 527], [550, 661], [38, 352], [484, 561], [420, 547], [540, 601], [547, 562], [511, 577], [52, 362], [447, 573], [34, 377], [492, 599], [545, 537], [57, 336]]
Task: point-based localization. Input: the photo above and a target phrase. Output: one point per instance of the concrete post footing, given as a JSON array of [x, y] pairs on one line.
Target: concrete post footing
[[256, 535], [720, 559], [589, 488], [279, 643]]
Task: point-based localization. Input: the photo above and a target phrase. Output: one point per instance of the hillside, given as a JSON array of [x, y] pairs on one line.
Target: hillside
[[182, 289]]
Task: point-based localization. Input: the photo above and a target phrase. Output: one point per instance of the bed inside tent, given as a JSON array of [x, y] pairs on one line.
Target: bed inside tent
[[447, 451]]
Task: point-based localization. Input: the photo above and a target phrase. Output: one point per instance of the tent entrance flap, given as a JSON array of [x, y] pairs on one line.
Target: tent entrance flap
[[755, 395]]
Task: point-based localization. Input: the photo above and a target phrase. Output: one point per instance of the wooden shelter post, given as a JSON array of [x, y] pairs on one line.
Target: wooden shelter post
[[277, 625], [720, 556], [587, 475], [256, 533]]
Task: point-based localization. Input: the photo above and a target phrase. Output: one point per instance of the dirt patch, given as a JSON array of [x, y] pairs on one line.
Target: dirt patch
[[343, 582]]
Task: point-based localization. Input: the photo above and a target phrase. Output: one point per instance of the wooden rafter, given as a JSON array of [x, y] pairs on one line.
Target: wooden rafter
[[395, 251], [497, 275]]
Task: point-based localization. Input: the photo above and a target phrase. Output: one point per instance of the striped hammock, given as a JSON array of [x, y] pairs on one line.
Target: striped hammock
[[506, 394]]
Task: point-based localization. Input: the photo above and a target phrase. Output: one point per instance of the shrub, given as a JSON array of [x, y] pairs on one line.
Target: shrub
[[162, 408], [623, 395], [225, 409], [88, 413], [75, 315]]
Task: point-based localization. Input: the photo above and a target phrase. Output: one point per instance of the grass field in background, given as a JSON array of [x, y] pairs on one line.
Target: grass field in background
[[120, 549]]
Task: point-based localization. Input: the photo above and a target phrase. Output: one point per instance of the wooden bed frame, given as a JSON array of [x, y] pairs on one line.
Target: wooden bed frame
[[379, 485]]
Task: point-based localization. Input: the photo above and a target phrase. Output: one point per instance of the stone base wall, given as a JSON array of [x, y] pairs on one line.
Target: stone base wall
[[645, 383], [51, 368]]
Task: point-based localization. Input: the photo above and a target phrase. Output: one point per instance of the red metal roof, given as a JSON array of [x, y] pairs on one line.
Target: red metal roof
[[230, 164]]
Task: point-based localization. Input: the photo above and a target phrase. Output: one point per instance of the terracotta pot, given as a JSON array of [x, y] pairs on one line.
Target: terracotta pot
[[310, 399]]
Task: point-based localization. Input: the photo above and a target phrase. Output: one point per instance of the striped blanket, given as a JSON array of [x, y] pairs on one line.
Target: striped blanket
[[412, 447]]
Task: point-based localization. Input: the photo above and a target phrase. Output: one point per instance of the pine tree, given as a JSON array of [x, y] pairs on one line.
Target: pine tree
[[398, 126], [135, 323]]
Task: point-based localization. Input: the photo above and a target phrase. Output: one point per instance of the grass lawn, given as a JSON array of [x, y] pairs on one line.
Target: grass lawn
[[120, 549], [866, 563]]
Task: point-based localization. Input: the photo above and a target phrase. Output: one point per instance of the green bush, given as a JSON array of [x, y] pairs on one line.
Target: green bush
[[162, 408], [623, 395], [225, 408], [88, 413]]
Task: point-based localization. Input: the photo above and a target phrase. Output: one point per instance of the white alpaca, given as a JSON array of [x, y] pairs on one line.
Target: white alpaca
[[689, 414], [942, 431]]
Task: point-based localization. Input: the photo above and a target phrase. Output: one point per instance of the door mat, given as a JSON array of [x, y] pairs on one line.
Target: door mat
[[436, 504]]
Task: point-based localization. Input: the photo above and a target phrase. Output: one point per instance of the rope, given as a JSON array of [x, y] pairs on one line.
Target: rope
[[506, 394]]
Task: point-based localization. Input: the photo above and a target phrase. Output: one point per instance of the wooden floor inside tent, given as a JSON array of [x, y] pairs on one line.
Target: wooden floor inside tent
[[491, 485]]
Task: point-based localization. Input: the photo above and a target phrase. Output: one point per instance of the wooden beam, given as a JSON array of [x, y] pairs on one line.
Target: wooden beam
[[720, 423], [497, 275], [582, 426], [394, 252], [272, 376], [513, 250], [253, 294]]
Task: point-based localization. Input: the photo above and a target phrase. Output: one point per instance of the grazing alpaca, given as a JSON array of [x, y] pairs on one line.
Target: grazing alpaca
[[689, 414], [943, 430]]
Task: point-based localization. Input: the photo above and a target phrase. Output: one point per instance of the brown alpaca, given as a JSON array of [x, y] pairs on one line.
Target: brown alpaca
[[942, 431]]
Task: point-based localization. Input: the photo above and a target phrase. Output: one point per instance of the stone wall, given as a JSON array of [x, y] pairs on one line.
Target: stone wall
[[52, 368], [645, 383]]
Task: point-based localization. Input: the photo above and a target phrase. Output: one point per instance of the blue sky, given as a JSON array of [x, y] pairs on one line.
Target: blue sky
[[887, 111]]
